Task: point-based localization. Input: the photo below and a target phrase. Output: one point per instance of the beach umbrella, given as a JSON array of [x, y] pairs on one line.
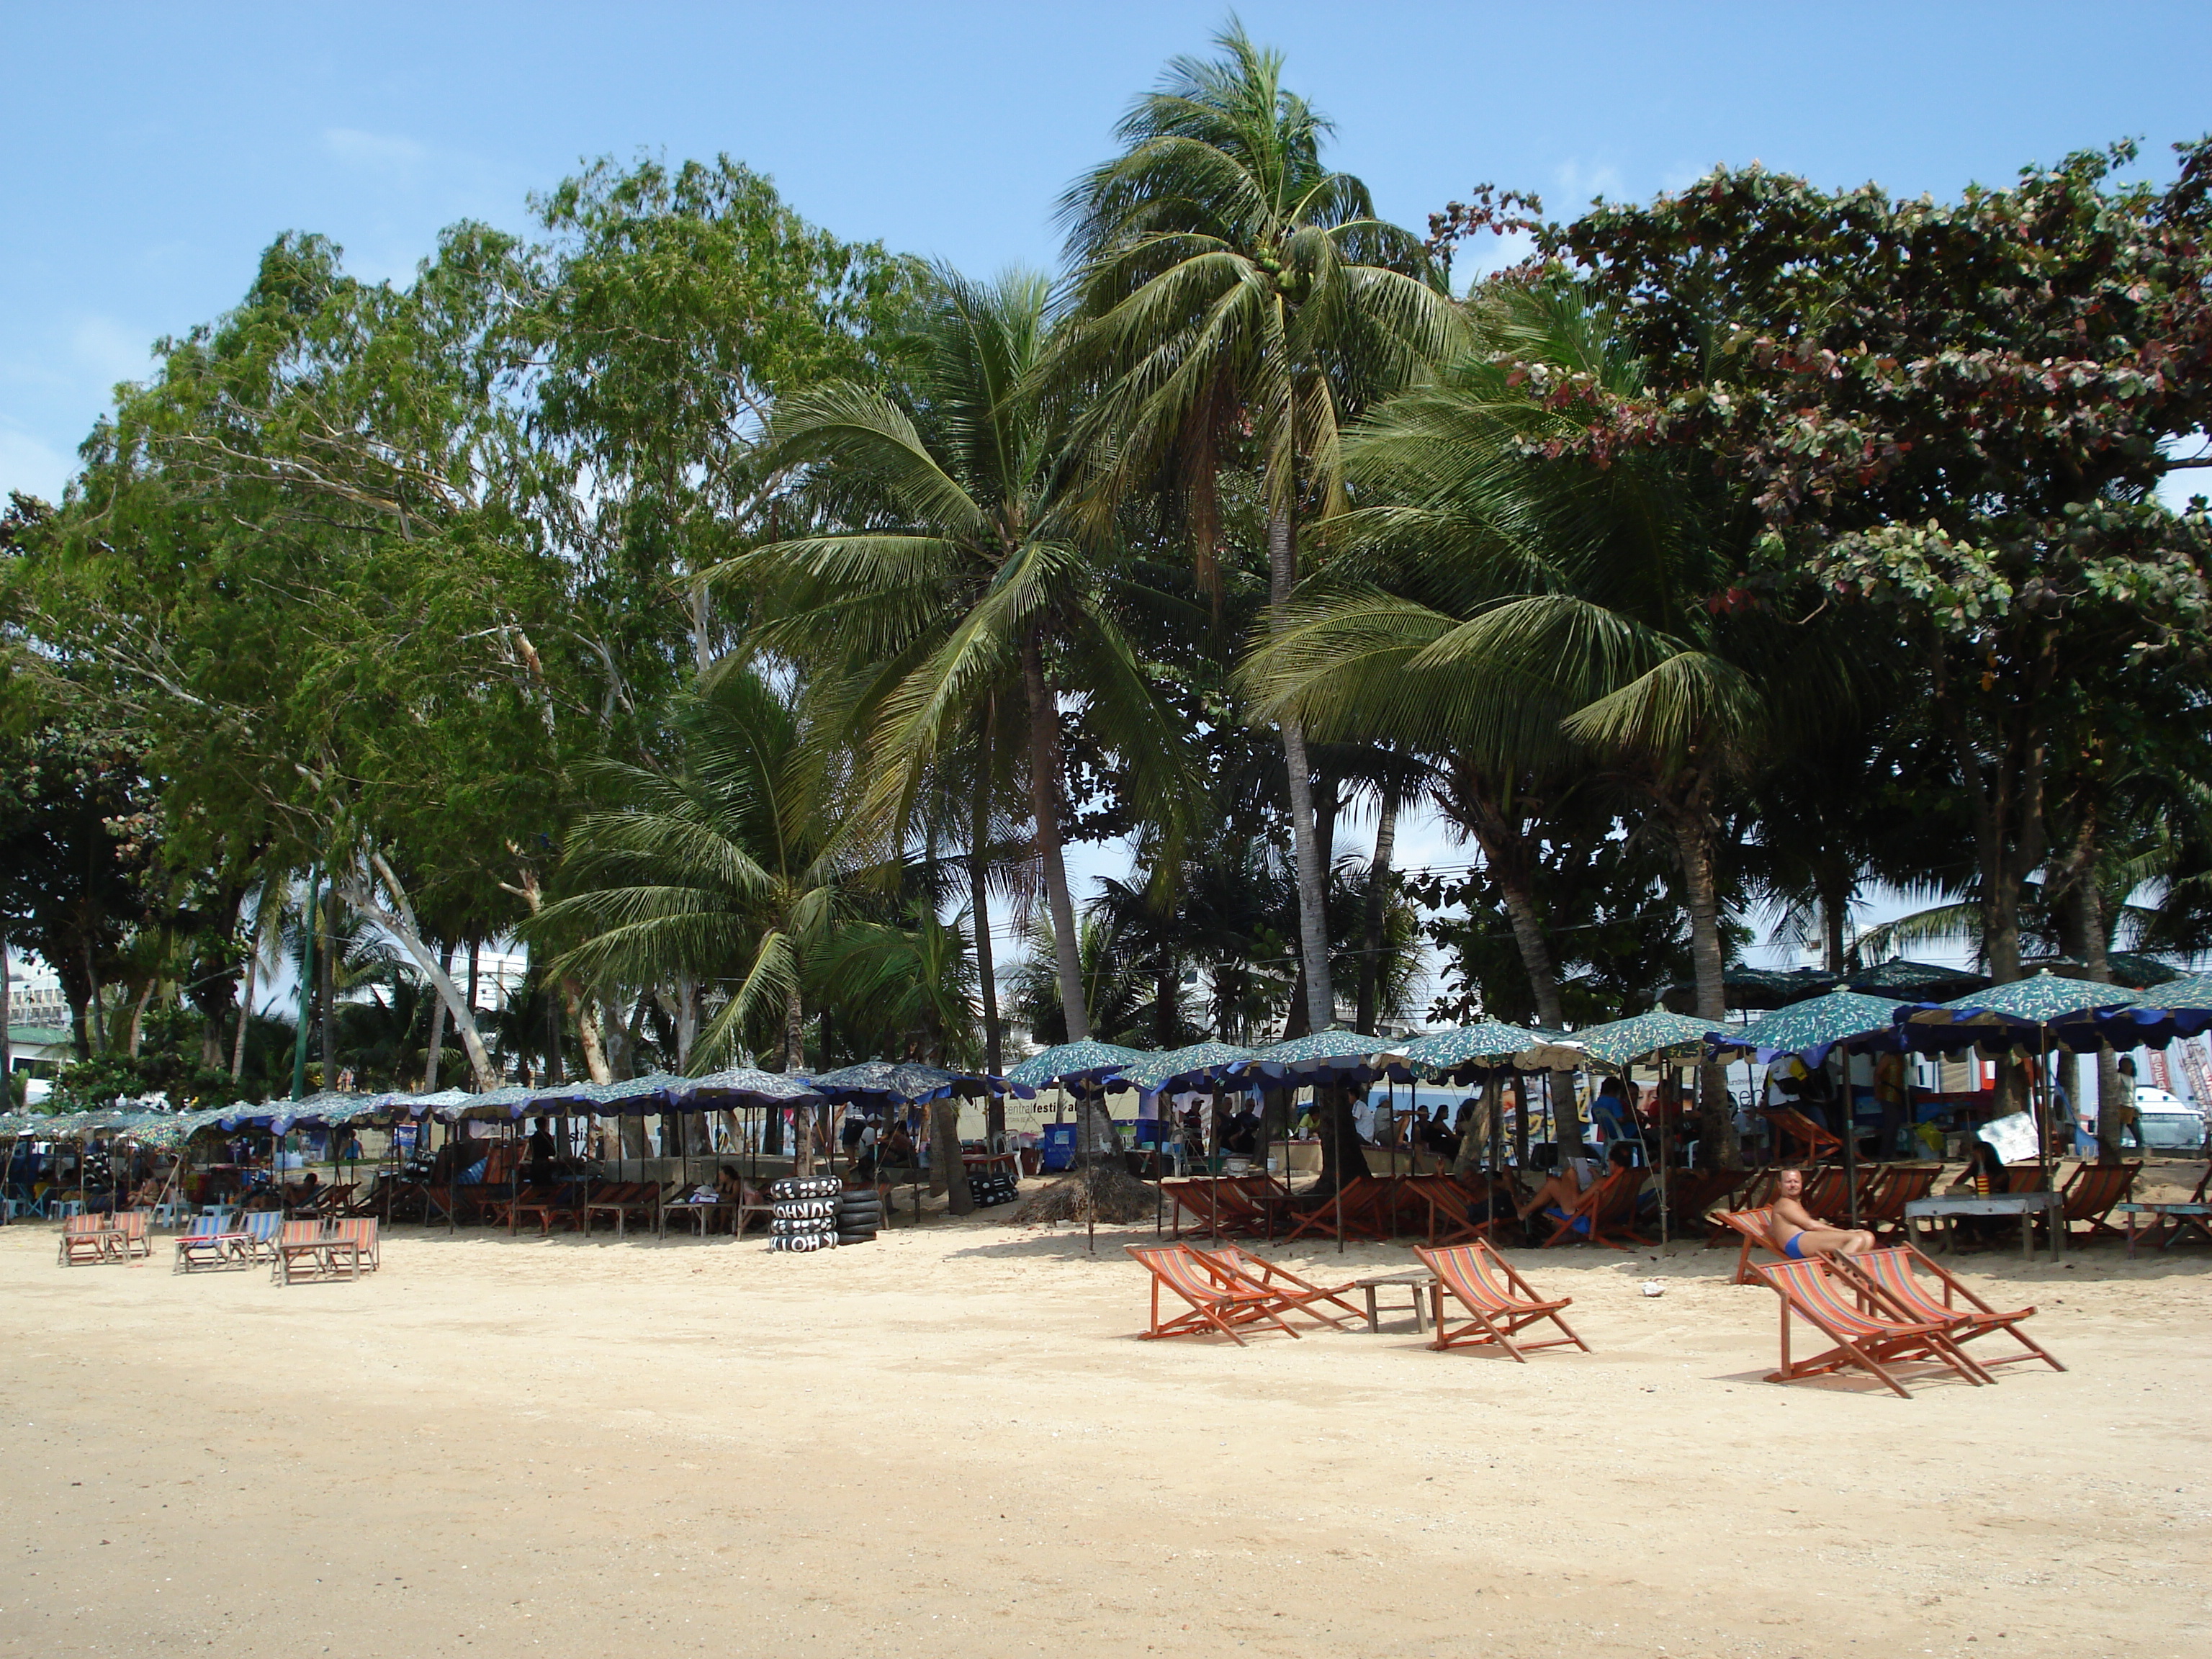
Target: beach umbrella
[[1173, 1071], [1335, 1055], [1074, 1062], [1746, 986], [1914, 982], [1658, 1034], [2139, 972], [896, 1083], [1811, 1029], [1448, 1054], [2191, 992]]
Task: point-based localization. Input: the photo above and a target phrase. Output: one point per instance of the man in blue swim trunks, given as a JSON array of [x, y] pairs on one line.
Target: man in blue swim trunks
[[1798, 1233]]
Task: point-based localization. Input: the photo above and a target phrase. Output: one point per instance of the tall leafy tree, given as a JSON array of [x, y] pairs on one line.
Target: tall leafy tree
[[1226, 283], [949, 579]]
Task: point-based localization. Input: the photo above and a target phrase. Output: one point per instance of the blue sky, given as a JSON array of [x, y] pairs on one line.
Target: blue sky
[[149, 153]]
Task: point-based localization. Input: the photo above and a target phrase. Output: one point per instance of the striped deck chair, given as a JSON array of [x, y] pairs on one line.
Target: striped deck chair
[[1756, 1229], [2091, 1192], [563, 1202], [1218, 1299], [1356, 1200], [1891, 1275], [1788, 1123], [300, 1252], [1500, 1302], [1827, 1195], [1865, 1334], [203, 1243], [260, 1229], [622, 1199], [1882, 1209], [355, 1235], [131, 1233], [1605, 1207], [1273, 1276], [87, 1239]]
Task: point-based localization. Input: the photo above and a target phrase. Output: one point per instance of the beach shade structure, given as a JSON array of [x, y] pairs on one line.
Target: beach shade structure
[[1335, 1055], [1449, 1055], [2190, 993], [1079, 1063], [1914, 982], [1813, 1030], [1178, 1070], [901, 1083], [1743, 987], [2139, 972], [1643, 1038]]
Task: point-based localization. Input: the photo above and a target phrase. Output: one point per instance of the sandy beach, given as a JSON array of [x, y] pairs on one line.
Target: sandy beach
[[950, 1442]]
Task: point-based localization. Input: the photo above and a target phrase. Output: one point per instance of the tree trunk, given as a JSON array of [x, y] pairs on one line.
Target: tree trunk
[[7, 1044], [1312, 878], [437, 1029], [397, 919], [137, 1019], [947, 1174], [1341, 1155], [979, 890], [327, 966], [794, 1032], [687, 1022], [584, 1011], [1378, 885], [245, 1005], [1693, 839], [2096, 960], [1044, 807]]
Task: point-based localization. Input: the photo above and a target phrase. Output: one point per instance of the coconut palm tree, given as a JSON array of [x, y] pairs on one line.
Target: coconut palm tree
[[729, 870], [949, 583], [1555, 605], [1227, 284]]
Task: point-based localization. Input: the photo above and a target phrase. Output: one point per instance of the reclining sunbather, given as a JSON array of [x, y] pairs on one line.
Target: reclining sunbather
[[1799, 1233], [1560, 1191]]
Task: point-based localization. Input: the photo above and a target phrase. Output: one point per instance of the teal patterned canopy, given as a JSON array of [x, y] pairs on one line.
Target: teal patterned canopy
[[1811, 1029], [1655, 1035]]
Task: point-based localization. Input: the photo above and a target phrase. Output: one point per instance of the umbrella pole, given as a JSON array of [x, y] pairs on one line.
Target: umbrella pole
[[1850, 1138], [1674, 1079], [1336, 1121]]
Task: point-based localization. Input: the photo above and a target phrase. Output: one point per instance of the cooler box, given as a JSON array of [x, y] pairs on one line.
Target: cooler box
[[1059, 1147]]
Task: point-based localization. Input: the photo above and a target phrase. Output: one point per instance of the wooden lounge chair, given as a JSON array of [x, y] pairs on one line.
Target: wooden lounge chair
[[1274, 1278], [1756, 1230], [704, 1207], [1694, 1195], [300, 1252], [204, 1243], [131, 1233], [260, 1229], [1500, 1303], [1353, 1205], [1881, 1210], [1608, 1207], [1791, 1124], [1827, 1196], [622, 1199], [88, 1240], [1866, 1335], [1218, 1299], [1892, 1275], [564, 1202], [2091, 1192], [358, 1234]]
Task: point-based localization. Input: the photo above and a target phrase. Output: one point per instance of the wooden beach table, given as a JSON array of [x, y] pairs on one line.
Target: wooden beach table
[[1420, 1280], [2171, 1220], [1950, 1206]]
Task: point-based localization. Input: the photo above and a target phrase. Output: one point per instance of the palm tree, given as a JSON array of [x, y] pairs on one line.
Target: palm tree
[[1557, 605], [729, 870], [951, 584], [1226, 283]]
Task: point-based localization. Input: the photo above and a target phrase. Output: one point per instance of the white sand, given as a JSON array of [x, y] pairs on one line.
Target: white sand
[[948, 1442]]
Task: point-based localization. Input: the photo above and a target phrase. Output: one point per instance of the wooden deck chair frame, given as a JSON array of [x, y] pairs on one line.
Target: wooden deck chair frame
[[1608, 1206], [360, 1233], [1217, 1300], [204, 1243], [1272, 1277], [1500, 1303], [1889, 1274], [1354, 1201], [86, 1241], [1882, 1209], [1867, 1333], [1756, 1230], [1787, 1121], [2091, 1192]]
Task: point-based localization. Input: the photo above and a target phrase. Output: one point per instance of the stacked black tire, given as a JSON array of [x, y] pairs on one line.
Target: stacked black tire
[[991, 1189], [859, 1213], [806, 1216]]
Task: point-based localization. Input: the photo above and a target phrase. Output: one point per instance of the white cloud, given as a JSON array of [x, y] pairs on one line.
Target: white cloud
[[109, 349], [33, 466], [376, 152], [1579, 181]]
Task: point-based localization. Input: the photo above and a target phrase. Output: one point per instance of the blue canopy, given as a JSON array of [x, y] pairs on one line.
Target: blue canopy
[[1099, 1063], [1335, 1055]]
